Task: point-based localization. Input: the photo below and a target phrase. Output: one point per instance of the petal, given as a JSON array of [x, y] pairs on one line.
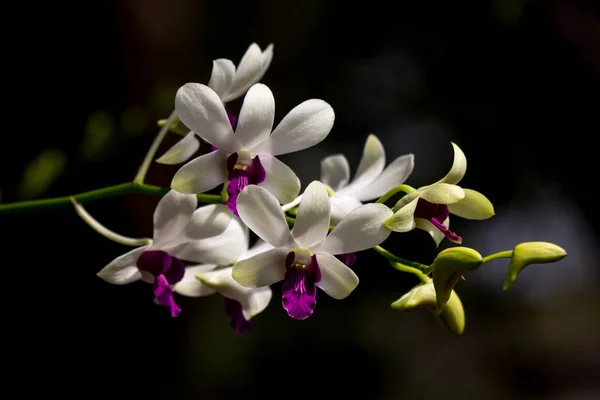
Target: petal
[[263, 269], [261, 212], [259, 247], [337, 280], [443, 193], [221, 77], [248, 73], [335, 171], [474, 206], [312, 218], [172, 214], [201, 174], [370, 166], [201, 109], [281, 181], [256, 116], [181, 151], [303, 127], [266, 58], [393, 175], [253, 300], [361, 229], [207, 221], [192, 287], [403, 220], [459, 167], [224, 249], [428, 227], [122, 270], [342, 206]]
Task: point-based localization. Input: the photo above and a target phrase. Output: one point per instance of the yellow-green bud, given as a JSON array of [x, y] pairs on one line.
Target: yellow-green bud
[[531, 253], [176, 126], [448, 267], [423, 295]]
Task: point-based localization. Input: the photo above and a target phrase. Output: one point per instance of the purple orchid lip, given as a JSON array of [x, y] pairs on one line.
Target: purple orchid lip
[[348, 258], [239, 323], [166, 271], [299, 290], [241, 176], [436, 214]]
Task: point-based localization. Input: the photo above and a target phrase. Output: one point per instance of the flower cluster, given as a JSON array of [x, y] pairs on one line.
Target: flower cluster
[[266, 229]]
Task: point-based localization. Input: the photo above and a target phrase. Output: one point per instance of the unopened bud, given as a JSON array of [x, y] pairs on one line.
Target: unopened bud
[[531, 253], [176, 126]]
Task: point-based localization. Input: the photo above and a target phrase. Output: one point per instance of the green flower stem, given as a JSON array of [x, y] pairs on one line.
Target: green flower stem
[[393, 258], [404, 268], [116, 190], [501, 254], [141, 174], [393, 191]]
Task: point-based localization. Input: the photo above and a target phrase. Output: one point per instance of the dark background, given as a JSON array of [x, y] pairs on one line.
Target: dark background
[[514, 83]]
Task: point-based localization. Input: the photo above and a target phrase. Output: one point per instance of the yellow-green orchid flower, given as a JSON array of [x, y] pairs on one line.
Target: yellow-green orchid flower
[[428, 207]]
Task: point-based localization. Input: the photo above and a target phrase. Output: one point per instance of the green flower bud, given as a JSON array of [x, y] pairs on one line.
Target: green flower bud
[[531, 253], [448, 267], [423, 295], [176, 126]]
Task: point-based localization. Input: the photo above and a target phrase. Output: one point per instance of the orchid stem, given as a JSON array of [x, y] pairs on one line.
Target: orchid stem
[[141, 174], [404, 268], [394, 258], [109, 191], [393, 191], [501, 254]]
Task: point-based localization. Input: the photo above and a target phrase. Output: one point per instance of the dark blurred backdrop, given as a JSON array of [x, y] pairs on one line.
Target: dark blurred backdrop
[[514, 83]]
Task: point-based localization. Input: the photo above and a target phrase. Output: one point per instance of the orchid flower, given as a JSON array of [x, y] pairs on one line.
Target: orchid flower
[[177, 224], [229, 83], [247, 157], [370, 181], [241, 303], [428, 207], [305, 257]]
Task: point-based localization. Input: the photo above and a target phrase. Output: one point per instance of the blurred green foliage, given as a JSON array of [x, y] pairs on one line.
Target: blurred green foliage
[[99, 131], [42, 172]]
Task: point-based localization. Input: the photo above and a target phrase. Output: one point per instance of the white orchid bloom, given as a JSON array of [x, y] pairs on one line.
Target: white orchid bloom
[[371, 180], [428, 207], [177, 225], [305, 257], [241, 303], [229, 83], [248, 156]]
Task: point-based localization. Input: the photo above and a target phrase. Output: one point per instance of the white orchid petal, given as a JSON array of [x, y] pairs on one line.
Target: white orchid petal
[[263, 269], [403, 220], [312, 218], [428, 227], [335, 171], [253, 300], [303, 127], [458, 169], [281, 181], [393, 175], [172, 214], [370, 166], [443, 193], [223, 249], [201, 174], [262, 213], [248, 73], [337, 280], [221, 77], [361, 229], [201, 110], [123, 270], [474, 206], [209, 220], [181, 151], [259, 247], [342, 206], [256, 116], [192, 287], [266, 58]]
